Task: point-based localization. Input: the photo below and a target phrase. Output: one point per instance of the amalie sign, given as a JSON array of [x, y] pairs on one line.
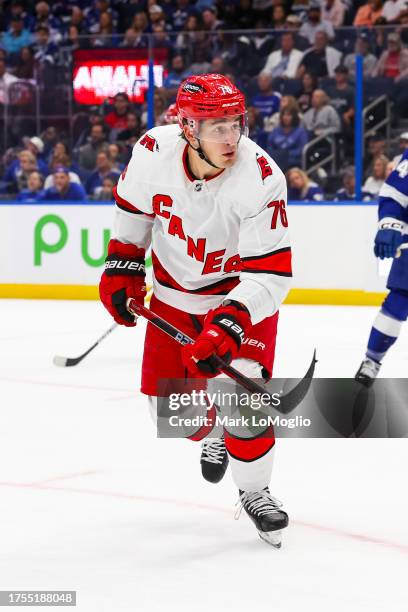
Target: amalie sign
[[99, 74]]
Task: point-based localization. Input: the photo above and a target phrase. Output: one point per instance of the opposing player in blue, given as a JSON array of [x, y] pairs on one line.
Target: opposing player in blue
[[391, 241]]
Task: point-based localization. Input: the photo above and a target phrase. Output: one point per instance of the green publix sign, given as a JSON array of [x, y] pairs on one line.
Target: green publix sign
[[41, 246]]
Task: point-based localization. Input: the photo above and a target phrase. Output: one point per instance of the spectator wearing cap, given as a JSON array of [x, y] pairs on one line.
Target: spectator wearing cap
[[393, 62], [156, 14], [321, 119], [36, 146], [376, 180], [103, 169], [321, 60], [301, 187], [348, 191], [369, 14], [16, 37], [333, 11], [116, 119], [89, 151], [285, 61], [362, 47], [267, 101], [403, 146], [293, 24], [63, 189], [34, 191], [393, 9], [342, 96], [314, 23], [6, 79]]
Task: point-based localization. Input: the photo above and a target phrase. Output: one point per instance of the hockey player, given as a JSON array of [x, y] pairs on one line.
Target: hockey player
[[212, 205], [391, 241]]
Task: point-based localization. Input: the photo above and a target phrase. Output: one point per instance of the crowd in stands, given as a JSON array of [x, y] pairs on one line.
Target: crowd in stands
[[295, 61]]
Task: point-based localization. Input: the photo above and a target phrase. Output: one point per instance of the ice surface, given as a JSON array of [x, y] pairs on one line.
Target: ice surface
[[91, 501]]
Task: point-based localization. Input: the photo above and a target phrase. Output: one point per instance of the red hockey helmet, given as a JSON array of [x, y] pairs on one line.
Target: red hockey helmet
[[170, 116], [209, 96]]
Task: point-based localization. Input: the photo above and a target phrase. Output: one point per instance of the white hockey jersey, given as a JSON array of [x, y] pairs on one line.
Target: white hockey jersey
[[224, 236]]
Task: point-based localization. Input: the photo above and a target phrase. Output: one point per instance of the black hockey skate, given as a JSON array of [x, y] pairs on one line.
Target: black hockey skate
[[265, 512], [214, 459], [367, 372]]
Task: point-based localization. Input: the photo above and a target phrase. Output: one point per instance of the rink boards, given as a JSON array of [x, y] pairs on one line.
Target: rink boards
[[57, 251]]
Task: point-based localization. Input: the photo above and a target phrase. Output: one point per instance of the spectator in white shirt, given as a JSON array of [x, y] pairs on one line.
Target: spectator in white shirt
[[393, 8], [314, 23], [333, 11], [6, 79], [379, 173], [285, 61]]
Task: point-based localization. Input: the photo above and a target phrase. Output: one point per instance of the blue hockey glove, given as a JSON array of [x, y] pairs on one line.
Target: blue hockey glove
[[388, 238]]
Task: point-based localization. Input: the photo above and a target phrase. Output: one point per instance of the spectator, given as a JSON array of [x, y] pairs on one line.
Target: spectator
[[348, 191], [210, 21], [392, 10], [77, 19], [25, 64], [376, 145], [93, 15], [160, 37], [278, 17], [393, 62], [103, 169], [36, 146], [362, 47], [49, 138], [321, 119], [45, 51], [181, 15], [375, 181], [175, 76], [293, 23], [105, 36], [17, 173], [34, 191], [403, 146], [130, 39], [61, 157], [92, 118], [286, 103], [369, 14], [16, 37], [285, 61], [140, 25], [321, 59], [114, 154], [105, 191], [299, 9], [117, 118], [200, 61], [186, 39], [267, 102], [285, 143], [245, 15], [309, 84], [314, 23], [300, 187], [89, 151], [342, 97], [255, 127], [63, 189], [17, 9], [133, 130], [44, 18], [6, 79], [333, 11]]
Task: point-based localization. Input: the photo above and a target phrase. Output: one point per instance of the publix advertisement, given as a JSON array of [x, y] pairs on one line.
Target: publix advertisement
[[58, 251]]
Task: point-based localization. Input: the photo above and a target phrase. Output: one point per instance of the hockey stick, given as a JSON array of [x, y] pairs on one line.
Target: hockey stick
[[288, 401], [73, 361]]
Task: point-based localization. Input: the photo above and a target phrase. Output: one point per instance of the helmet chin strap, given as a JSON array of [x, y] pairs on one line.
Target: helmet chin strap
[[202, 155]]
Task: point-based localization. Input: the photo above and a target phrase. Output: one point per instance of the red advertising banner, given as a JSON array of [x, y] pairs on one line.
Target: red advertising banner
[[99, 74]]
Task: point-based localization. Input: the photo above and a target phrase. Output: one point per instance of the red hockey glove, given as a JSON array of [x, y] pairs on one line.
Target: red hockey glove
[[222, 335], [124, 277]]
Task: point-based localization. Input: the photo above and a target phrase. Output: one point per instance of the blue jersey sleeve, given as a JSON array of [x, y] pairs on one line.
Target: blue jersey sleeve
[[393, 196]]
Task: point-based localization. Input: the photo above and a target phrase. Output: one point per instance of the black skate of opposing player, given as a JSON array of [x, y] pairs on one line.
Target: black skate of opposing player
[[266, 514], [214, 459]]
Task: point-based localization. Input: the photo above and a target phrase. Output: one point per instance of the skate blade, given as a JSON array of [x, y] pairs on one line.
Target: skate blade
[[273, 538]]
